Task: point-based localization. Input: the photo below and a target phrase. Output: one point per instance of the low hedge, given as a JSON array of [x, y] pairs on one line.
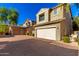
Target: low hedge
[[66, 39]]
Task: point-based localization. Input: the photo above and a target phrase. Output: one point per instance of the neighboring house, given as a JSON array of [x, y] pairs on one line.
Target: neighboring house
[[26, 28], [27, 23], [53, 23]]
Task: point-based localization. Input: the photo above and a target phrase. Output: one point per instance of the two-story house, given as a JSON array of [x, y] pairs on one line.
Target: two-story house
[[53, 23]]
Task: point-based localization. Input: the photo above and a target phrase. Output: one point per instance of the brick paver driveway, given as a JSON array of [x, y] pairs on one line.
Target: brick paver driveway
[[22, 45]]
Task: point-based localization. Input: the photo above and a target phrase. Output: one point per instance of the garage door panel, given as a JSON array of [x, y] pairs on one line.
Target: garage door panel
[[49, 33]]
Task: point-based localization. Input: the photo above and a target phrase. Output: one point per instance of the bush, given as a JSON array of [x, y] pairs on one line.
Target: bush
[[66, 39], [4, 28]]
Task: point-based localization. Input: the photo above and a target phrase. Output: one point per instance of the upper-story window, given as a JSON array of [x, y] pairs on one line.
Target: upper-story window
[[41, 17], [55, 12]]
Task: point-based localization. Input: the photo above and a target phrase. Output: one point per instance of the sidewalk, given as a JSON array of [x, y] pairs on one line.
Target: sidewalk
[[72, 44]]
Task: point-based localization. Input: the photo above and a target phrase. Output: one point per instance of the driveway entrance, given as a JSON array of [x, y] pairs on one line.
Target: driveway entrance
[[22, 45]]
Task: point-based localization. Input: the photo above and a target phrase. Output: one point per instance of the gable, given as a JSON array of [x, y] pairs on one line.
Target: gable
[[42, 10]]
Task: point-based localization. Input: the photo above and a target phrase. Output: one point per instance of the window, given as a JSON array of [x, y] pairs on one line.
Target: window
[[41, 17], [55, 11]]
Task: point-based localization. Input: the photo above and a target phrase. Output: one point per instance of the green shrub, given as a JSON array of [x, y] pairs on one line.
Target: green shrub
[[66, 39], [4, 28]]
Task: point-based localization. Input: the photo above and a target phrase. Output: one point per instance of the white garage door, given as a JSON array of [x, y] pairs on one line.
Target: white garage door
[[49, 33]]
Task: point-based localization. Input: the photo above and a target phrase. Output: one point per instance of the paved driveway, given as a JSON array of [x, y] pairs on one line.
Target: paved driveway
[[21, 45]]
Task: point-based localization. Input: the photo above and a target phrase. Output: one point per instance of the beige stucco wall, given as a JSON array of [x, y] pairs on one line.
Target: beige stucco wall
[[68, 20], [58, 33], [65, 27], [46, 13], [66, 24], [57, 16]]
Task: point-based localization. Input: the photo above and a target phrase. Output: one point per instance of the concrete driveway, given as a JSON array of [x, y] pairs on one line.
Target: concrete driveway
[[21, 45]]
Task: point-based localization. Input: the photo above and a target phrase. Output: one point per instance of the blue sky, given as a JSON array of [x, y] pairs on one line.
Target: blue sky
[[29, 10]]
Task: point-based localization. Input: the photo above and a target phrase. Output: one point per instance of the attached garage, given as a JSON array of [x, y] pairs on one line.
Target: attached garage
[[47, 33]]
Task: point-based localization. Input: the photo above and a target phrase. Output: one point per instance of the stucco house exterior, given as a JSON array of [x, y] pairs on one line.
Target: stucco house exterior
[[27, 23], [53, 23]]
